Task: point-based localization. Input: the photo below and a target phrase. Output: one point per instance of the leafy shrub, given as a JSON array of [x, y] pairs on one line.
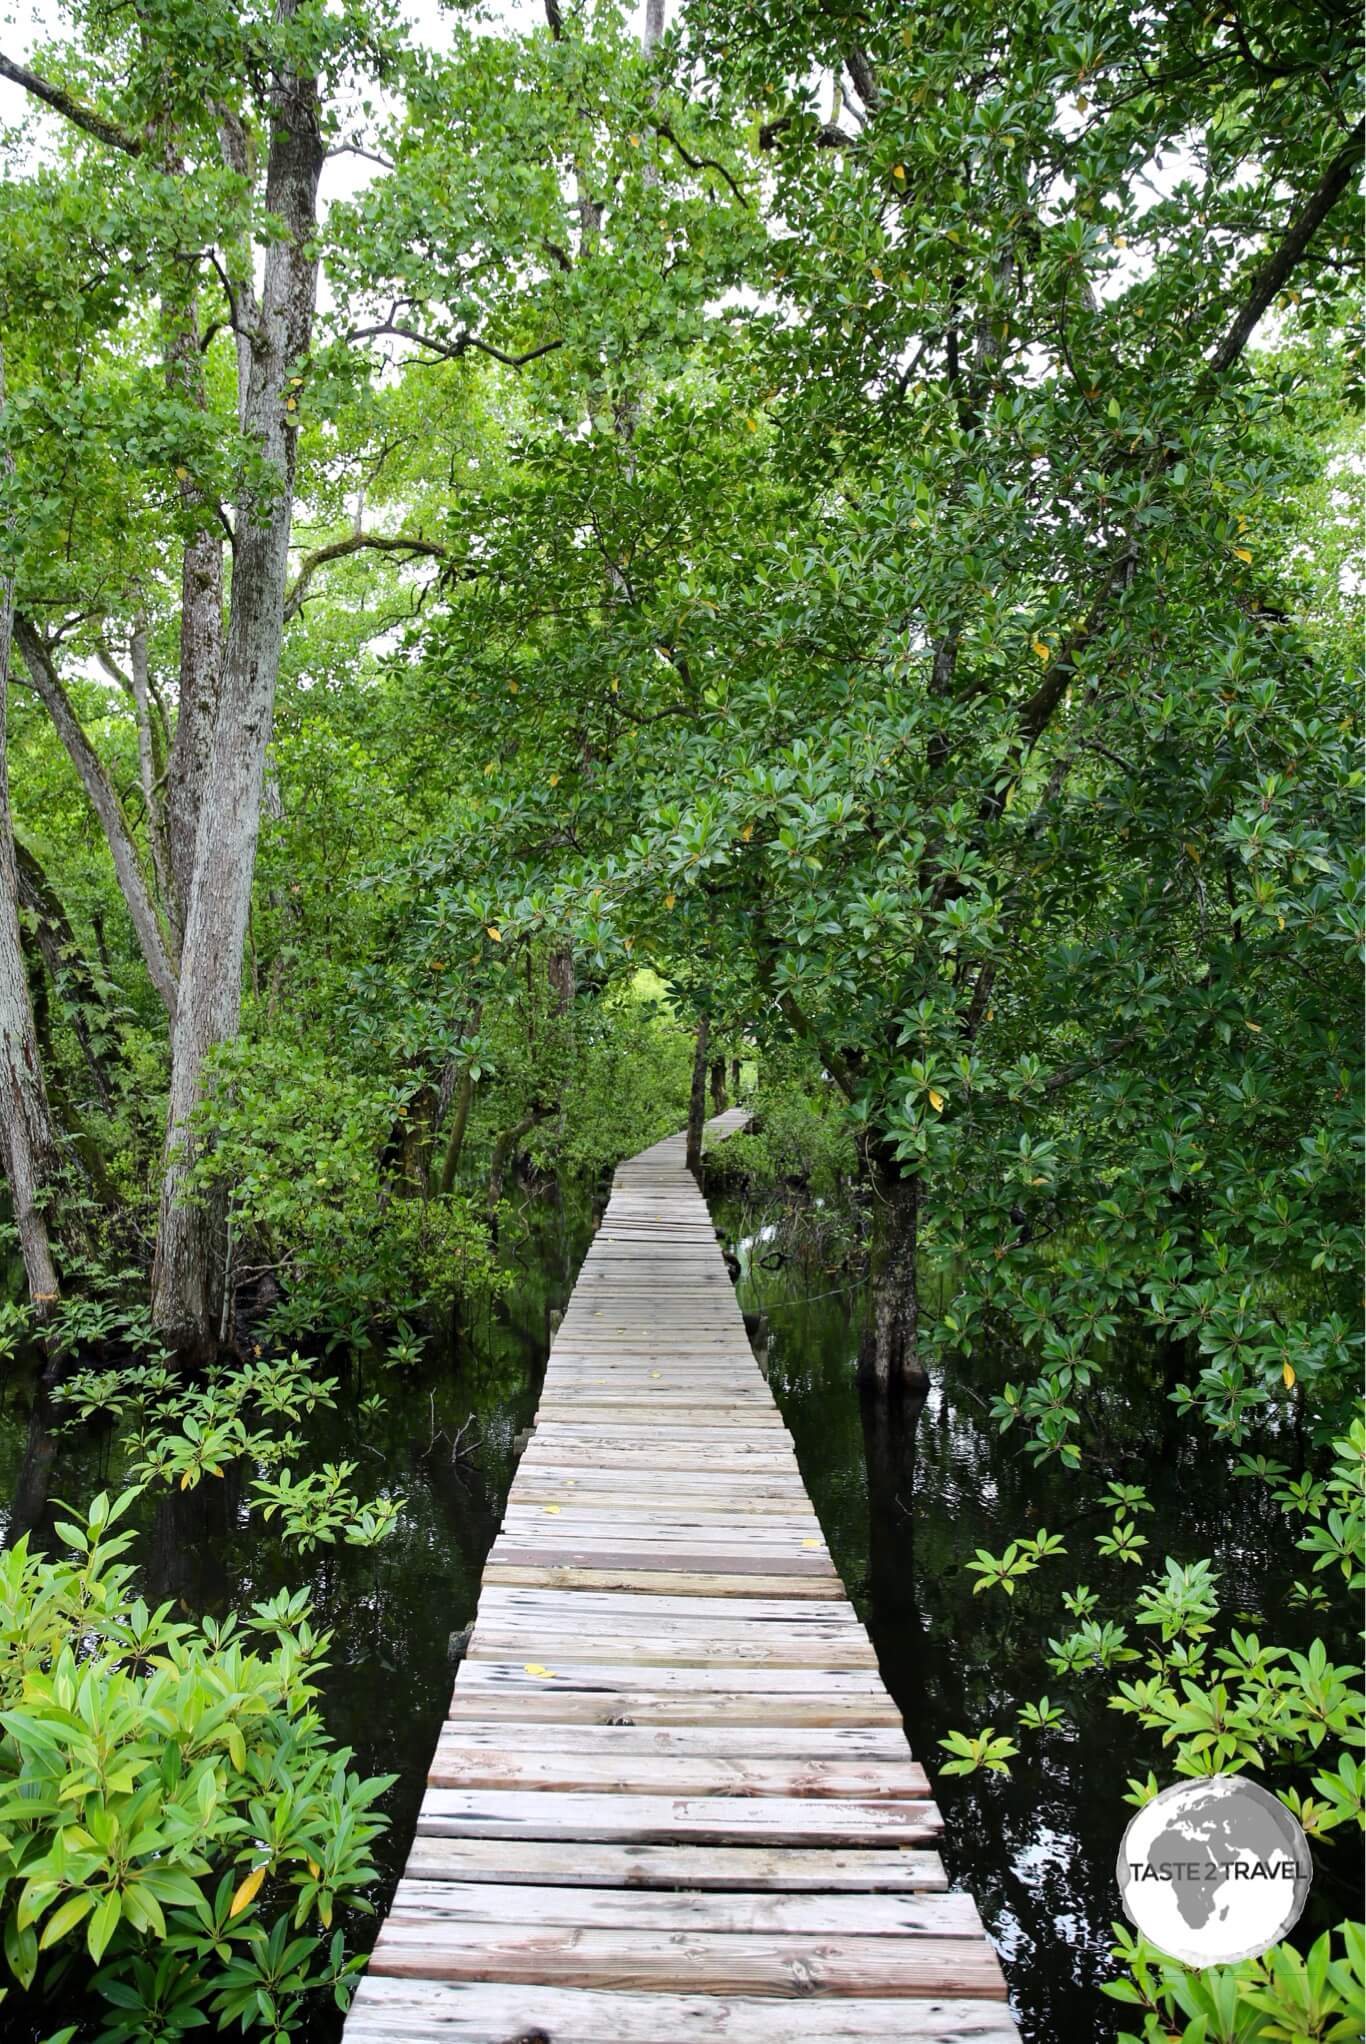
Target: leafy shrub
[[172, 1811], [802, 1137]]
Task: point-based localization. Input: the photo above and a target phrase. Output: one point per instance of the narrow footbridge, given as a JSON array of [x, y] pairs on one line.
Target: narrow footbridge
[[672, 1802]]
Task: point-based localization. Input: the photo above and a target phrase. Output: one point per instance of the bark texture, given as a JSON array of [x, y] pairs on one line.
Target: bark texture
[[187, 1269], [105, 803], [697, 1099], [889, 1356], [30, 1150]]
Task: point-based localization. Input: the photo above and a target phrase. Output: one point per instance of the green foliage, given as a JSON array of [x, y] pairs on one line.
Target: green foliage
[[987, 1749], [180, 1435], [171, 1810], [1284, 1997], [300, 1148], [801, 1138]]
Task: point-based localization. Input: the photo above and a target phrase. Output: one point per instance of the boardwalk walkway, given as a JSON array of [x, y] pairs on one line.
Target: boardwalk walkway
[[672, 1803]]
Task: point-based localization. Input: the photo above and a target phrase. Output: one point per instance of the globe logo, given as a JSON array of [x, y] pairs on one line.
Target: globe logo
[[1214, 1870]]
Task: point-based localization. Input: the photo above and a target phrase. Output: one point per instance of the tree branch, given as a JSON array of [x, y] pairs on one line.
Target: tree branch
[[355, 543], [1274, 274], [73, 109], [701, 162], [451, 351], [105, 802]]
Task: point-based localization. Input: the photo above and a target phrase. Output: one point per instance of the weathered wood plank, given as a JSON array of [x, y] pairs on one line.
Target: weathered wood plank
[[476, 1903], [476, 2013], [455, 1766], [787, 1870], [671, 1799], [696, 1820], [705, 1962]]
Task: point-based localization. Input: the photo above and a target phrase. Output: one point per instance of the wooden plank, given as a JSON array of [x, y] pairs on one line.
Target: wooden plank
[[673, 1774], [598, 1608], [715, 1963], [585, 1702], [761, 1742], [710, 1582], [479, 2013], [696, 1820], [785, 1870], [475, 1903], [695, 1650]]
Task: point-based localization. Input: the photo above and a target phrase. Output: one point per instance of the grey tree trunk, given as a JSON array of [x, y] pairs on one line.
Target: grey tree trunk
[[105, 803], [889, 1356], [187, 1268], [201, 658], [718, 1085], [29, 1148], [697, 1101], [560, 973]]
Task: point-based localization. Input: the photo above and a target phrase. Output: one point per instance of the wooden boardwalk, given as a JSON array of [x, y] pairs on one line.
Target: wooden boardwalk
[[672, 1803]]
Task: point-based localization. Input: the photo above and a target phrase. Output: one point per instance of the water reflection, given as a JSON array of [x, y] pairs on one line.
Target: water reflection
[[906, 1494]]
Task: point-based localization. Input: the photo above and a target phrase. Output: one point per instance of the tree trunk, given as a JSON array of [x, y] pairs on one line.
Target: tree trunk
[[735, 1080], [201, 658], [718, 1086], [26, 1138], [889, 1351], [186, 1272], [697, 1101], [560, 973], [105, 803], [455, 1140]]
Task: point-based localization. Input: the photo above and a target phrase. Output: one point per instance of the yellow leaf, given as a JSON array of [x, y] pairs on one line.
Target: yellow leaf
[[1044, 652], [492, 930], [747, 833], [183, 474], [616, 686], [314, 1868], [877, 273], [490, 769], [669, 900], [247, 1892], [552, 1510], [1242, 553], [535, 1668], [753, 425], [513, 687], [1255, 1027], [811, 1543], [990, 1013], [1287, 1377], [185, 1481], [899, 170], [554, 780], [936, 1101], [628, 943]]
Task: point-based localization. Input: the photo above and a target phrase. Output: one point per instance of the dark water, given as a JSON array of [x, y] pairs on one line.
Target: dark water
[[906, 1499], [392, 1609]]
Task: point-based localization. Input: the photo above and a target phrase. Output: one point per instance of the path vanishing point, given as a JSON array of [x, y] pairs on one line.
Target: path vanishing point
[[672, 1802]]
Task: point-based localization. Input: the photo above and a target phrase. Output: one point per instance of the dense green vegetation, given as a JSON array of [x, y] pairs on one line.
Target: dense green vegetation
[[539, 565]]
